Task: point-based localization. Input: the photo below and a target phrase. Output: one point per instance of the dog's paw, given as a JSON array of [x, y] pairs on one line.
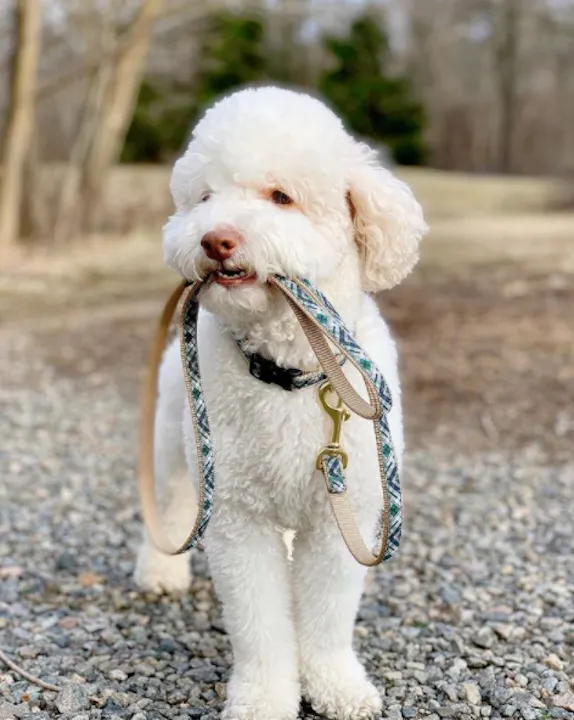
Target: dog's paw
[[338, 688], [273, 699], [158, 573]]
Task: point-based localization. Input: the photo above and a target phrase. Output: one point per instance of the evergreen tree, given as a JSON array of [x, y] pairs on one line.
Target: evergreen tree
[[232, 54], [373, 104], [144, 141]]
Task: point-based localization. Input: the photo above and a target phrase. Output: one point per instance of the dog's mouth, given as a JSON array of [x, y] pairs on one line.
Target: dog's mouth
[[233, 276]]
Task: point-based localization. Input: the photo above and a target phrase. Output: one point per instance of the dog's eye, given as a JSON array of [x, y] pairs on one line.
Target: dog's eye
[[280, 198], [205, 197]]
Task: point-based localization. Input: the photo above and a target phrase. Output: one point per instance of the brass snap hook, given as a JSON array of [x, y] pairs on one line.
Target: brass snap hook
[[339, 415]]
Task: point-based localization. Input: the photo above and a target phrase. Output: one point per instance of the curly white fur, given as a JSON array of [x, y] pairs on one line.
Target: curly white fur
[[353, 229]]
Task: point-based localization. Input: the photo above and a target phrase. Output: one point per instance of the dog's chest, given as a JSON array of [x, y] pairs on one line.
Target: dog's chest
[[266, 440]]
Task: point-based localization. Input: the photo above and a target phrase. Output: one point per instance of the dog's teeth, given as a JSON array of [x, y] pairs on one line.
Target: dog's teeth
[[232, 273]]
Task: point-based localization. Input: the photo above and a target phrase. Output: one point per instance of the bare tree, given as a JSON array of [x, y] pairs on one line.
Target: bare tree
[[116, 110], [506, 52], [112, 89], [20, 122], [70, 207]]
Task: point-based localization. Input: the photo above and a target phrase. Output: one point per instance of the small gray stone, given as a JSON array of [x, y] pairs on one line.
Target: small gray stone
[[394, 713], [117, 675], [204, 675], [8, 711], [529, 713], [409, 712], [520, 699], [536, 703], [472, 693], [561, 714], [554, 662], [72, 698], [564, 701], [167, 645], [550, 683], [484, 638], [504, 631], [67, 561], [449, 690], [420, 676], [446, 711], [450, 594], [458, 667]]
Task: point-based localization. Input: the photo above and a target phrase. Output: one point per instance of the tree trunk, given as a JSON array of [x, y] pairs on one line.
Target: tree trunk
[[19, 128], [117, 110], [507, 61], [70, 207], [35, 208]]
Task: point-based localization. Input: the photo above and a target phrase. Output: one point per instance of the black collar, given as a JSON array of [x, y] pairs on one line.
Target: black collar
[[289, 379], [269, 372]]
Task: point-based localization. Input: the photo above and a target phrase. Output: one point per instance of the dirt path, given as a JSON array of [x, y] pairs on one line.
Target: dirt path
[[487, 354], [488, 357], [472, 619]]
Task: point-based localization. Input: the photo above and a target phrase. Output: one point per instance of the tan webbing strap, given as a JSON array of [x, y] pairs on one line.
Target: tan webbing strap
[[350, 531], [333, 371], [340, 500], [146, 474], [340, 504]]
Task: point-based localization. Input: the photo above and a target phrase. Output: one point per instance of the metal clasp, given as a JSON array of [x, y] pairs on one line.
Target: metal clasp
[[338, 414]]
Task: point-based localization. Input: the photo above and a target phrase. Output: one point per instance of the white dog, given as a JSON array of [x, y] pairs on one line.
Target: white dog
[[272, 183]]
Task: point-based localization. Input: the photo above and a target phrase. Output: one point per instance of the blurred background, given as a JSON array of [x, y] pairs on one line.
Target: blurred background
[[472, 103]]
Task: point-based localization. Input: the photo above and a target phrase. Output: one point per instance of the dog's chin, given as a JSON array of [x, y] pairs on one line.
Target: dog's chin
[[237, 302]]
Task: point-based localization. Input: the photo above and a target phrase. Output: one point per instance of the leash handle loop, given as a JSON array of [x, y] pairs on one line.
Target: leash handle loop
[[146, 462]]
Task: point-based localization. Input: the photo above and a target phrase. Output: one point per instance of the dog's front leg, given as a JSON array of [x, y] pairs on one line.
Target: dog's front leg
[[249, 565], [328, 584]]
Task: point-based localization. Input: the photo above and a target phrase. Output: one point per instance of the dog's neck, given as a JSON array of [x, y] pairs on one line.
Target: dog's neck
[[279, 336]]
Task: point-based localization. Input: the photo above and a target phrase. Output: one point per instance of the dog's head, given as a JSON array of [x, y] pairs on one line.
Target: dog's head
[[272, 183]]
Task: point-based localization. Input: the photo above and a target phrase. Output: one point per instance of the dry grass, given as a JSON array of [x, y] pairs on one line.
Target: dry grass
[[483, 323], [100, 271], [536, 242], [458, 195], [475, 220], [138, 196]]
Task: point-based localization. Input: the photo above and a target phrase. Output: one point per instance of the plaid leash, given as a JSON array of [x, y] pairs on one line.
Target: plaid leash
[[322, 326]]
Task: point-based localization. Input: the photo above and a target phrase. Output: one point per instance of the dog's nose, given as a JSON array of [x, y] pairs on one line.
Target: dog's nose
[[220, 244]]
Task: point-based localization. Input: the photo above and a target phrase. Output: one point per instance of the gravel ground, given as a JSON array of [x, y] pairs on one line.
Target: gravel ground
[[474, 618]]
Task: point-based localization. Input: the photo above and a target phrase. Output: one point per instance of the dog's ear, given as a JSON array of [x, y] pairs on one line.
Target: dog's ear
[[388, 222]]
